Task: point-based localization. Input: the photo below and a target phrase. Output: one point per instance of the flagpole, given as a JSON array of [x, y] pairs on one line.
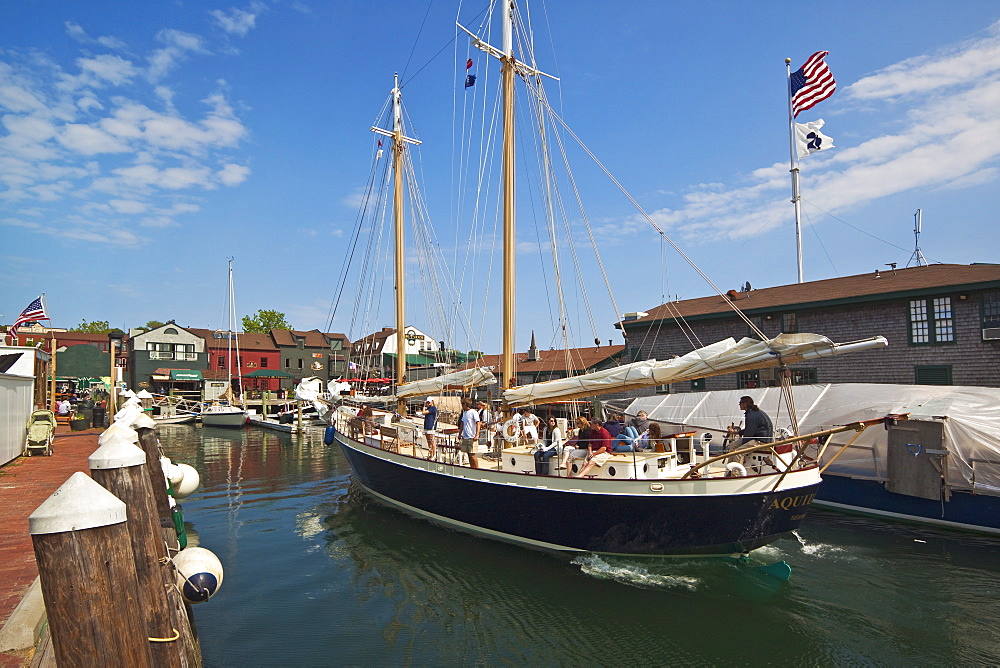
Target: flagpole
[[796, 198]]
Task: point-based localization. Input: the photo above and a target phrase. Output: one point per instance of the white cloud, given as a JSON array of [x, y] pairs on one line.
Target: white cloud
[[128, 205], [178, 45], [237, 21], [89, 140], [233, 175], [107, 68]]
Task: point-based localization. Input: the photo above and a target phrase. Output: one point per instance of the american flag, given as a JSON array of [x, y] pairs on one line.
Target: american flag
[[35, 311], [811, 84]]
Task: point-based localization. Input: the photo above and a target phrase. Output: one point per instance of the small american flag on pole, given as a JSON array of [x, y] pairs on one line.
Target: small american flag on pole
[[35, 311], [811, 84]]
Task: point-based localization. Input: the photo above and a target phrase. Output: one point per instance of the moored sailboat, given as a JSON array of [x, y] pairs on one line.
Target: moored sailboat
[[227, 410], [681, 500]]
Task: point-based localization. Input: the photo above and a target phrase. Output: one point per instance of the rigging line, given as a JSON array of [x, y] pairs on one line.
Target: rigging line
[[815, 232], [649, 219], [416, 39], [352, 247], [586, 220], [840, 220]]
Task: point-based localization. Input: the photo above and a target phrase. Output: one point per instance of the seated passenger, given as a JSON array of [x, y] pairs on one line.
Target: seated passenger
[[625, 441], [599, 449], [552, 444], [582, 439]]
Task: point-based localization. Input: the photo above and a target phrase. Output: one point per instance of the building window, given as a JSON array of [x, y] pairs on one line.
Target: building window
[[663, 389], [263, 362], [170, 331], [932, 374], [931, 321], [698, 384], [991, 310], [300, 364], [748, 379], [804, 376], [789, 323], [222, 361], [288, 363]]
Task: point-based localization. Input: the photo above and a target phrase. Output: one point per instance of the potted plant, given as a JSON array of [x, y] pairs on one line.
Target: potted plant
[[78, 421]]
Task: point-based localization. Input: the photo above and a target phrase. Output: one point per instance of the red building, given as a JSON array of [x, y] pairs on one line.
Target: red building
[[257, 353]]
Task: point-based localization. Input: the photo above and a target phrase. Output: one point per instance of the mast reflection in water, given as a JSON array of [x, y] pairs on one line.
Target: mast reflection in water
[[318, 574]]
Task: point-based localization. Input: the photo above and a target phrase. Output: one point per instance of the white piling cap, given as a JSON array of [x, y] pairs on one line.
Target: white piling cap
[[80, 503], [144, 394], [128, 413], [143, 421], [116, 453], [118, 429], [127, 393]]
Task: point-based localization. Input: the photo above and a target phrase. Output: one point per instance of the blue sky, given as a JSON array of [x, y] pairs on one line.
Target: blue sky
[[142, 144]]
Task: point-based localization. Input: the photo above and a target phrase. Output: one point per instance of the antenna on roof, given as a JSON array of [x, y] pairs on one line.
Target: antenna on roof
[[918, 255]]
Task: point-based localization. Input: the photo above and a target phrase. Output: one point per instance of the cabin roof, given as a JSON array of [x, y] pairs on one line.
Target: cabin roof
[[874, 286]]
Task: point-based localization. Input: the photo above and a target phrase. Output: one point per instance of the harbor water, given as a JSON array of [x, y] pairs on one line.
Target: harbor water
[[318, 574]]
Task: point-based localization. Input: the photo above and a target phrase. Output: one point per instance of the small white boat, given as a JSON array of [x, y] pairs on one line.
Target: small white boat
[[175, 419], [223, 416]]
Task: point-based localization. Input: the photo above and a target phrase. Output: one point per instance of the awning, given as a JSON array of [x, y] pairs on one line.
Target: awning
[[268, 373], [185, 374]]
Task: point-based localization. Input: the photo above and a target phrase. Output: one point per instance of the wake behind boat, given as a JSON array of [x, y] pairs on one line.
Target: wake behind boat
[[679, 499]]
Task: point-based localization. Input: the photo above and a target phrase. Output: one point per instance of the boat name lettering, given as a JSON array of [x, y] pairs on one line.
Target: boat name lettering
[[790, 502]]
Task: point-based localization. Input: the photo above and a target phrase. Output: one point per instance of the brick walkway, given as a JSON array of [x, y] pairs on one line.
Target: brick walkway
[[25, 483]]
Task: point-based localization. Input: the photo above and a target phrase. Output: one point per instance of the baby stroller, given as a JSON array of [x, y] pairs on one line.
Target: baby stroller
[[41, 433]]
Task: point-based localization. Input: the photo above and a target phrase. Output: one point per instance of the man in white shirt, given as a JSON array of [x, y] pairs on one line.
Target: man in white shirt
[[469, 425]]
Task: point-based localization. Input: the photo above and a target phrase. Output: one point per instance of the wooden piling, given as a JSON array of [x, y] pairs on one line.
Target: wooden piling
[[88, 578], [120, 467], [151, 446]]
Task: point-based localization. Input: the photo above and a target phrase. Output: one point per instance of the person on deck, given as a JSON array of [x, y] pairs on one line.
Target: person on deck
[[470, 426], [640, 422], [531, 423], [488, 428], [430, 414], [757, 425], [580, 450], [64, 407], [614, 425], [552, 444], [599, 449]]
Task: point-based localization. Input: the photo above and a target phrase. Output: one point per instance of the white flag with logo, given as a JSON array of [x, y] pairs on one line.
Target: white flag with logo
[[809, 139]]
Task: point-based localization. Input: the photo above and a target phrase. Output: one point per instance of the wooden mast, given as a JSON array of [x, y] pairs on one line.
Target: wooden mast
[[399, 141], [507, 370], [397, 200]]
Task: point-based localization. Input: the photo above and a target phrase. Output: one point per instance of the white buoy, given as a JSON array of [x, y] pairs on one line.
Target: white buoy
[[189, 481], [199, 574]]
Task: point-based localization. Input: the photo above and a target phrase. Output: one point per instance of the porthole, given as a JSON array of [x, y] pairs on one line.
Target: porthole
[[513, 462], [576, 469], [645, 468], [611, 471]]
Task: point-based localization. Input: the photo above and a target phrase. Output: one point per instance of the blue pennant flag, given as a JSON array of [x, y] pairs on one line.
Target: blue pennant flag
[[470, 80]]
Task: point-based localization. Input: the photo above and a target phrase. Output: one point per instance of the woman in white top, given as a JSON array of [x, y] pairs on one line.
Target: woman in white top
[[552, 444]]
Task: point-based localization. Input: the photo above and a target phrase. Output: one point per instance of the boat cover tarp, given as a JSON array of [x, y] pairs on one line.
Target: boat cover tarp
[[727, 356], [970, 416], [457, 379]]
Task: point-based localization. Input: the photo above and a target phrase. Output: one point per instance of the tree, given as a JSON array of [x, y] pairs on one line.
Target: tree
[[151, 325], [264, 321], [96, 327]]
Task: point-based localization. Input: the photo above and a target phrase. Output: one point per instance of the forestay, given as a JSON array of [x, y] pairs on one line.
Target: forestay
[[727, 356]]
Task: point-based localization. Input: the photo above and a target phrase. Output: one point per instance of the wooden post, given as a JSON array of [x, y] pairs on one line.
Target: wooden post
[[151, 446], [52, 404], [118, 466], [88, 577]]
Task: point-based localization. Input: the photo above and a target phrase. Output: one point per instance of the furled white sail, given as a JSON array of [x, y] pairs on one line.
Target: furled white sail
[[727, 356], [457, 379]]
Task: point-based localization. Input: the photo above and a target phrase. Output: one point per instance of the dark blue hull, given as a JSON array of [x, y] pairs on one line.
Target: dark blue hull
[[574, 520], [976, 512]]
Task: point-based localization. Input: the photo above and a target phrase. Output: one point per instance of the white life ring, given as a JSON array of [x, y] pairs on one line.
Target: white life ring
[[511, 430], [735, 470]]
